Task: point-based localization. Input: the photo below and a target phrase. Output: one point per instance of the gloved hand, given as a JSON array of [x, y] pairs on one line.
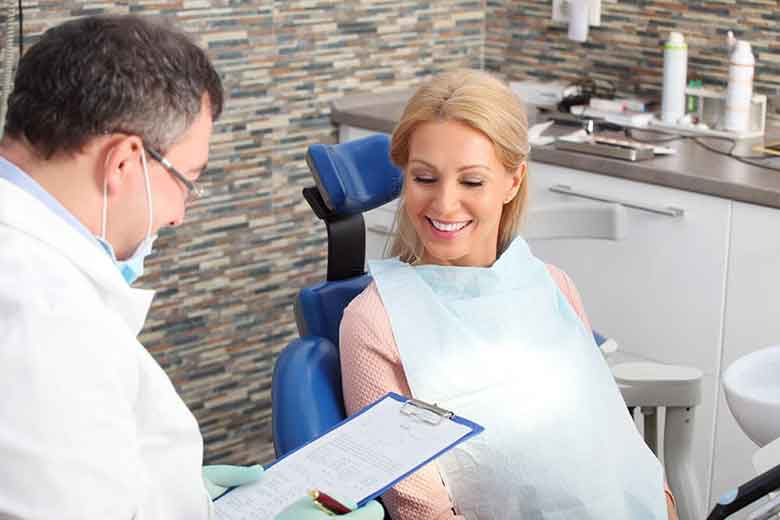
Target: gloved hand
[[220, 477], [304, 509]]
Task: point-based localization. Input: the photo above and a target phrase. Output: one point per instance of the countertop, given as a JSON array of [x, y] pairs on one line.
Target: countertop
[[693, 168]]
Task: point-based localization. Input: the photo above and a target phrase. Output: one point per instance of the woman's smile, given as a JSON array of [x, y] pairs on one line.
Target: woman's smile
[[447, 229]]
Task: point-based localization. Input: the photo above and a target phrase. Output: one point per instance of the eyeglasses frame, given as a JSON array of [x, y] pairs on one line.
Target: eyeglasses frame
[[194, 190]]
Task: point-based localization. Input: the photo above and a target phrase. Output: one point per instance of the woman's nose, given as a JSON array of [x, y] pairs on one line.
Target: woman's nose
[[446, 199]]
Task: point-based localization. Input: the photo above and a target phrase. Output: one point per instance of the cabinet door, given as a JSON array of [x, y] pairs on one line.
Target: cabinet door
[[752, 321], [658, 288]]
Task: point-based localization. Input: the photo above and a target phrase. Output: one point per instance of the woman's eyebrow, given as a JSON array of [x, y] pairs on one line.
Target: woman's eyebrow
[[461, 168], [424, 163], [476, 167]]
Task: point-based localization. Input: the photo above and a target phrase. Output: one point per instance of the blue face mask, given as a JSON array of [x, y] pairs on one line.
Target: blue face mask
[[131, 268]]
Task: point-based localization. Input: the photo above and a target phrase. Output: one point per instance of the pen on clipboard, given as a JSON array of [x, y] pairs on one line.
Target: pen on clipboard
[[328, 503]]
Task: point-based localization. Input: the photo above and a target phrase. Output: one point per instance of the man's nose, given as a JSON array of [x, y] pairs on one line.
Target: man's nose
[[177, 220]]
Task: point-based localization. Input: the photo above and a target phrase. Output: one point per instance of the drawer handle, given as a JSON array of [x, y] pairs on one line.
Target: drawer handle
[[382, 230], [669, 211]]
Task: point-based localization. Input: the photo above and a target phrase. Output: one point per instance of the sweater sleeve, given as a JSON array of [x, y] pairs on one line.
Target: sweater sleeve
[[571, 293], [569, 290], [371, 367]]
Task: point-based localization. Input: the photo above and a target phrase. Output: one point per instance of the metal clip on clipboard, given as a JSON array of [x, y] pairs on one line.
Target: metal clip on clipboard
[[429, 413]]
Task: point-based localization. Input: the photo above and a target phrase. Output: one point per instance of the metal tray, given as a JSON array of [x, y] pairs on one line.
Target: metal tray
[[607, 150]]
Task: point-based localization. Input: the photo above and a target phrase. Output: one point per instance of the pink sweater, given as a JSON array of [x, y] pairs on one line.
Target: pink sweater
[[371, 367]]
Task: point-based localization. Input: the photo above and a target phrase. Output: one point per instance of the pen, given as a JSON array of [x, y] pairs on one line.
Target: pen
[[328, 503]]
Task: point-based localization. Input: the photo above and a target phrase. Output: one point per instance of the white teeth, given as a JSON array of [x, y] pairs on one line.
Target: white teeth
[[441, 226]]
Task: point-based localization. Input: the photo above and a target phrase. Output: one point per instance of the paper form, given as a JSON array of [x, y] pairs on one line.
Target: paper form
[[356, 461]]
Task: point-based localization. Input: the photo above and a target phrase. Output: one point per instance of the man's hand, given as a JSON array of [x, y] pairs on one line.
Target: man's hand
[[220, 477]]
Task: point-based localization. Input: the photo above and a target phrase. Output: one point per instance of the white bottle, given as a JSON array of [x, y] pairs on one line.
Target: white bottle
[[739, 95], [675, 75]]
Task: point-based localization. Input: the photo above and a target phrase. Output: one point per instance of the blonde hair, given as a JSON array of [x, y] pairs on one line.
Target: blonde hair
[[484, 103]]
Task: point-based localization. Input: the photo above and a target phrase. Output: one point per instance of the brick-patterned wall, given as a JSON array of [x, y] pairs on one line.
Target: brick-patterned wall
[[227, 277], [523, 42]]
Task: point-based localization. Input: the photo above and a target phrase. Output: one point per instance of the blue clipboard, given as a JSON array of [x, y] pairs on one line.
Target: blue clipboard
[[444, 415], [425, 412]]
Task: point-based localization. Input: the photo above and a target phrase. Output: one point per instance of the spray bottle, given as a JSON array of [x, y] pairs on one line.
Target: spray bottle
[[739, 94]]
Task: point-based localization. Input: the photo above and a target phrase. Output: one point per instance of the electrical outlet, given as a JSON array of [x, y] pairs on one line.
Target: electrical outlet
[[594, 13], [560, 11]]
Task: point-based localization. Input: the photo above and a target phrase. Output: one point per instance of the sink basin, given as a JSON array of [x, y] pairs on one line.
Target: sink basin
[[752, 387]]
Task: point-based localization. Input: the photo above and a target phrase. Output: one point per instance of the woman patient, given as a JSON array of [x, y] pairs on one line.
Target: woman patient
[[467, 317]]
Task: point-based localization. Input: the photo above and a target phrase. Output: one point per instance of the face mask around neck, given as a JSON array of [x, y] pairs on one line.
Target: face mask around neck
[[133, 267]]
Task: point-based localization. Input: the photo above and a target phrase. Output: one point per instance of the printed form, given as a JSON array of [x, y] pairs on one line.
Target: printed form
[[357, 460]]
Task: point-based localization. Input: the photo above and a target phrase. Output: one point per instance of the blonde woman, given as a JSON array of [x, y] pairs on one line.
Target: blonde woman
[[468, 318]]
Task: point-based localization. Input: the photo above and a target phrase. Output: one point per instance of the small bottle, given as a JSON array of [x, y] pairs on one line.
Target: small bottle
[[692, 100], [675, 71], [739, 95]]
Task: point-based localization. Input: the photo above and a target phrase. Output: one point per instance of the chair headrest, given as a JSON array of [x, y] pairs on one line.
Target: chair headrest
[[355, 176]]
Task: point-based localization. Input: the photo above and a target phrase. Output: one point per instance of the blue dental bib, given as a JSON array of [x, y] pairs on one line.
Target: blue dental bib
[[502, 345]]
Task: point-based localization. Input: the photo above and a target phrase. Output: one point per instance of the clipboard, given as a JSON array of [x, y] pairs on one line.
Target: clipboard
[[359, 459]]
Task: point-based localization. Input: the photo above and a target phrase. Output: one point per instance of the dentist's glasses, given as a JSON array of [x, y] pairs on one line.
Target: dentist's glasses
[[194, 190]]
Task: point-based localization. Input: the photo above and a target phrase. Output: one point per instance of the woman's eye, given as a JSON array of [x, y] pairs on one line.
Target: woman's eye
[[424, 179], [472, 183]]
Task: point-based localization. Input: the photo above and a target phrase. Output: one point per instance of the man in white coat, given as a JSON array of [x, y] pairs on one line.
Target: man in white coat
[[106, 136]]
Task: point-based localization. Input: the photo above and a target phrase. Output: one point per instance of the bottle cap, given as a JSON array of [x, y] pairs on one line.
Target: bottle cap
[[675, 41], [742, 46], [742, 53]]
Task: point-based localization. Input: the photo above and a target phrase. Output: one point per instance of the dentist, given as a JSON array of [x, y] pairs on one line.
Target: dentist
[[106, 136]]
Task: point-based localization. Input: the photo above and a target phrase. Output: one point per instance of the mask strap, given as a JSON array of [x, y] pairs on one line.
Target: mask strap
[[105, 208], [148, 187]]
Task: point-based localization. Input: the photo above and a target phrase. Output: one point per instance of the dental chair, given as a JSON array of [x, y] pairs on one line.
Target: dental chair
[[355, 177]]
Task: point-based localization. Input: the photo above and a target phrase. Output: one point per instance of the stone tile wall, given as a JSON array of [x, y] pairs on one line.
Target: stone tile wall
[[226, 278]]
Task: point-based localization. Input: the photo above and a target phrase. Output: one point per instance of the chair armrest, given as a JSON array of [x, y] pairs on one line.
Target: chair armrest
[[306, 396]]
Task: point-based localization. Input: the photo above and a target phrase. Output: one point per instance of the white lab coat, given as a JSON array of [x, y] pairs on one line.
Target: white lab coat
[[90, 425]]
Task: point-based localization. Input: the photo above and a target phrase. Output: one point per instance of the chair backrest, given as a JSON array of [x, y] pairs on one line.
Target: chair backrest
[[350, 178]]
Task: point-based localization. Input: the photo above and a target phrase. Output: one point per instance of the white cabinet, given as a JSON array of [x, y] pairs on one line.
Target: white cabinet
[[659, 288], [379, 224], [752, 321]]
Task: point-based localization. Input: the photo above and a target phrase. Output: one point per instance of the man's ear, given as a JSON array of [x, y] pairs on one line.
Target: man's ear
[[121, 159]]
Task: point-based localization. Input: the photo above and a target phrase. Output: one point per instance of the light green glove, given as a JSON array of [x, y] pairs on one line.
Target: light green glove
[[220, 477], [304, 509]]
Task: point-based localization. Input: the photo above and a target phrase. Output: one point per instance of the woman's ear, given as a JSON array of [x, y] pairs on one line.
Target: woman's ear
[[518, 176], [121, 159]]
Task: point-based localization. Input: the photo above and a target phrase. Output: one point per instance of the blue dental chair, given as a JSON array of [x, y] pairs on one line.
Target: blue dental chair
[[350, 178]]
